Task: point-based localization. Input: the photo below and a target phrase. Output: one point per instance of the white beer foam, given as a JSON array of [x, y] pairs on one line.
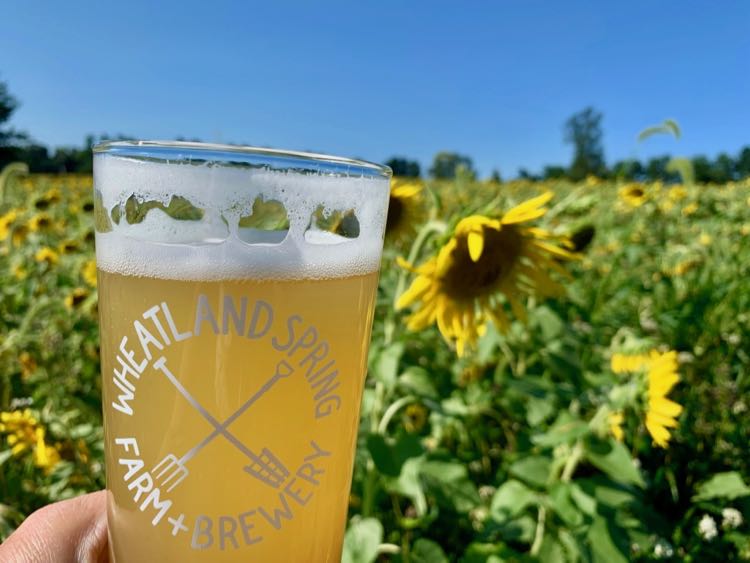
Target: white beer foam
[[210, 249]]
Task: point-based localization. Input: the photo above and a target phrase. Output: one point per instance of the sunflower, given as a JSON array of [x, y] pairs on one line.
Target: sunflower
[[68, 246], [633, 194], [660, 371], [415, 417], [19, 272], [689, 209], [39, 222], [24, 433], [615, 425], [623, 363], [19, 235], [405, 209], [88, 272], [76, 297], [6, 221], [28, 364], [662, 413], [677, 193], [46, 254], [486, 264]]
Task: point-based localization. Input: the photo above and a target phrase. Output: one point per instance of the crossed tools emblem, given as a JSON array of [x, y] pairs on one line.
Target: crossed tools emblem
[[264, 466]]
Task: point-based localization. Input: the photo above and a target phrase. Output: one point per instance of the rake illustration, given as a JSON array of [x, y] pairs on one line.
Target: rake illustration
[[264, 466]]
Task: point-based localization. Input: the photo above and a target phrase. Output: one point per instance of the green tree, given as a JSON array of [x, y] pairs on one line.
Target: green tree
[[495, 176], [702, 169], [584, 131], [554, 172], [656, 169], [8, 136], [8, 105], [446, 164], [630, 169], [723, 169], [404, 167], [742, 164]]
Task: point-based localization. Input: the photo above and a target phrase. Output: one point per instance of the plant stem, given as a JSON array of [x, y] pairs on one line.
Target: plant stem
[[391, 411], [541, 519], [572, 463]]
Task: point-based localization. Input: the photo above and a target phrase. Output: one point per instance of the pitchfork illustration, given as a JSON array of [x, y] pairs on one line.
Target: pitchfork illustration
[[264, 466]]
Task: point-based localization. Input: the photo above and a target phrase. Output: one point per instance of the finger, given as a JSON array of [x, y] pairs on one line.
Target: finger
[[71, 531]]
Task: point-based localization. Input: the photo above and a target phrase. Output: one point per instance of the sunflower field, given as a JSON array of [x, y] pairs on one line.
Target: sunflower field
[[558, 371]]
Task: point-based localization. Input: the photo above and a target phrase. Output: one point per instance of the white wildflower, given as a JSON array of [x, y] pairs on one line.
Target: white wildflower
[[707, 528], [731, 518], [663, 549]]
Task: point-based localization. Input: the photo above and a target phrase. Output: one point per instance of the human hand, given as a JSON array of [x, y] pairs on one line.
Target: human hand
[[71, 531]]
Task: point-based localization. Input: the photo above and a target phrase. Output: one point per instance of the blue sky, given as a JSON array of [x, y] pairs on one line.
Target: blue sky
[[493, 80]]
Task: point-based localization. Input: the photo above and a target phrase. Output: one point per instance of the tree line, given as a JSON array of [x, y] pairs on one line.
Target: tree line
[[583, 131]]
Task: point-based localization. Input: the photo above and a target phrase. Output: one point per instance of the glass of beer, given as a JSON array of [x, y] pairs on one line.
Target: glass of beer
[[236, 294]]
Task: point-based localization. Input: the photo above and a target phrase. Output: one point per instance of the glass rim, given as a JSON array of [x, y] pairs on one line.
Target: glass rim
[[241, 155]]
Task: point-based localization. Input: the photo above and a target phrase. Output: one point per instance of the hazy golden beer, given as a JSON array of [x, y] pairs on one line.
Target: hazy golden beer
[[231, 376]]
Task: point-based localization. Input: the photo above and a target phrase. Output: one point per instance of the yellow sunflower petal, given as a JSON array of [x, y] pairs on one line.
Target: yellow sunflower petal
[[417, 289], [528, 210], [661, 383], [556, 250], [444, 257], [660, 419], [615, 425], [422, 318], [406, 191], [475, 242], [660, 434], [665, 407]]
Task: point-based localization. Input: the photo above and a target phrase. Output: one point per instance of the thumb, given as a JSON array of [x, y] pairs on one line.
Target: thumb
[[71, 531]]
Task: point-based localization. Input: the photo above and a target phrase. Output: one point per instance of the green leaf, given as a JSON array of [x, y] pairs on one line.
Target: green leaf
[[268, 215], [551, 551], [409, 484], [102, 224], [569, 543], [450, 483], [362, 540], [490, 553], [565, 429], [561, 503], [341, 222], [728, 485], [389, 455], [613, 458], [116, 214], [613, 495], [667, 127], [427, 551], [551, 324], [181, 209], [5, 456], [455, 406], [136, 210], [385, 367], [510, 500], [534, 470], [683, 167], [538, 410], [583, 500], [519, 530], [418, 380], [604, 547]]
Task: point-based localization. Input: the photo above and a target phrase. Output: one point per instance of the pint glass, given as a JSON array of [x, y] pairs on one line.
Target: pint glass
[[236, 292]]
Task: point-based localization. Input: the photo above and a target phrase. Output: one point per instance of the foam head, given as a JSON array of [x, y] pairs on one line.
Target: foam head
[[209, 212]]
